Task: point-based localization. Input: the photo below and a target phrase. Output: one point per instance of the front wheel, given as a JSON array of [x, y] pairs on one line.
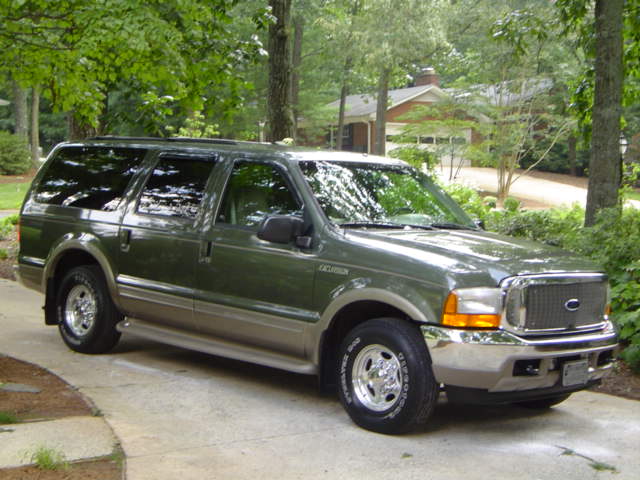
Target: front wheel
[[386, 381], [86, 314]]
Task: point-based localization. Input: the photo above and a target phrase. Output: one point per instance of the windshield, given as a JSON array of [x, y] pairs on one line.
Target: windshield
[[362, 194]]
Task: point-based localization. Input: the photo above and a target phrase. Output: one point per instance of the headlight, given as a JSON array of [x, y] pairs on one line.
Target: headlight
[[473, 307]]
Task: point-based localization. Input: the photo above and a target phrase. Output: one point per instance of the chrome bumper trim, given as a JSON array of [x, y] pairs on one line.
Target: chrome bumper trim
[[485, 359]]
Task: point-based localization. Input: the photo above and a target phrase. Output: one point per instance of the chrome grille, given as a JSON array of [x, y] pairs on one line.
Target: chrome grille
[[555, 303]]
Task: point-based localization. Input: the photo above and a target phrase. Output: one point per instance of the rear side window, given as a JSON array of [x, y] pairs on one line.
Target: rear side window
[[175, 187], [89, 177]]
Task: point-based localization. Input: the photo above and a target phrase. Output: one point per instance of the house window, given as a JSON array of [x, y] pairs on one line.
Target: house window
[[427, 140]]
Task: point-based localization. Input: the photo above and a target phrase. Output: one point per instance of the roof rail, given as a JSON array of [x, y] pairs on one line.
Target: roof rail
[[218, 141]]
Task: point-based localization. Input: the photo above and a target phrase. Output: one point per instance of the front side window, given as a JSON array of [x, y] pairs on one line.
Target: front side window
[[392, 195], [175, 187], [254, 191], [89, 177]]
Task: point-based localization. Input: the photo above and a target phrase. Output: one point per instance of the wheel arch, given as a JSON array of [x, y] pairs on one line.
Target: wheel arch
[[74, 252], [350, 310]]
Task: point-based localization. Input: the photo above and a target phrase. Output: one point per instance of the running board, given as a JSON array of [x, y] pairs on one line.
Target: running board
[[215, 346]]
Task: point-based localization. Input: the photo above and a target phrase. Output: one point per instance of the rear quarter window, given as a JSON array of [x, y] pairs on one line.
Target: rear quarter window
[[89, 177]]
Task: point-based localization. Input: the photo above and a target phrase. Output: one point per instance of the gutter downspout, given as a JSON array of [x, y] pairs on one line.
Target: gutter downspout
[[368, 136]]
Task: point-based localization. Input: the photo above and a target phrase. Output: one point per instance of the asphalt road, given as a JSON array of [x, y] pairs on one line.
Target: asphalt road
[[180, 414]]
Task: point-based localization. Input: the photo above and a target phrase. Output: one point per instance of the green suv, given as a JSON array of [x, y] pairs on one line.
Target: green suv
[[354, 268]]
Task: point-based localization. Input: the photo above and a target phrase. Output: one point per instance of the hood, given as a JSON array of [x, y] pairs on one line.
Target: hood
[[473, 253]]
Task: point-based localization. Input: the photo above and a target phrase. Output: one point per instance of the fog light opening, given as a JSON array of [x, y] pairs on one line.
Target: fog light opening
[[526, 368], [605, 358]]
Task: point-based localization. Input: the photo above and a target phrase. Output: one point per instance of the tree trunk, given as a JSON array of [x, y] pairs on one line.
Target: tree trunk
[[381, 111], [572, 154], [344, 91], [346, 73], [279, 115], [79, 129], [296, 63], [35, 126], [20, 110], [605, 162]]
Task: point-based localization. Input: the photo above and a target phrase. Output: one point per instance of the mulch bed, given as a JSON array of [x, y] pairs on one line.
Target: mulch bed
[[24, 178], [56, 399], [101, 469], [622, 382], [10, 245]]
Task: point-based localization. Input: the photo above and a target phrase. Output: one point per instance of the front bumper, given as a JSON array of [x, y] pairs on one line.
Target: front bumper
[[499, 361]]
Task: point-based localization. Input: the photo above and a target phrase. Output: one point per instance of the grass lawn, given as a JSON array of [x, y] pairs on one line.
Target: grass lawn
[[12, 194], [634, 195]]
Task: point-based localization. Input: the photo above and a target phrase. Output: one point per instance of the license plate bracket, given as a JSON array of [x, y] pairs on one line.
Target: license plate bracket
[[575, 373]]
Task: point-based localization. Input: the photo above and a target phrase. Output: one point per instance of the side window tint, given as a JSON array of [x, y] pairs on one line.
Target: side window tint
[[254, 191], [89, 177], [175, 188]]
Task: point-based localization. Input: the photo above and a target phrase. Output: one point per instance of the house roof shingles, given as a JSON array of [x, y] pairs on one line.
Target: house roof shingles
[[360, 105]]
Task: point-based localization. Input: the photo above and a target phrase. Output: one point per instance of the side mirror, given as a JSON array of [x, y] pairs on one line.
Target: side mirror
[[281, 228], [479, 224]]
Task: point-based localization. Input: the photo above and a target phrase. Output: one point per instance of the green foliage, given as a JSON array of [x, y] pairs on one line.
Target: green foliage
[[15, 157], [469, 199], [578, 19], [49, 459], [416, 157], [7, 224], [489, 201], [511, 204], [195, 127], [553, 226], [6, 417], [80, 50]]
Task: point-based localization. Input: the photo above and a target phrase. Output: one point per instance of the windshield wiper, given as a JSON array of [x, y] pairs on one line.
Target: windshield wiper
[[451, 226], [370, 225], [388, 225]]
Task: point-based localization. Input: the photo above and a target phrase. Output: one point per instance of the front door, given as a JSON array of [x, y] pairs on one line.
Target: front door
[[250, 290]]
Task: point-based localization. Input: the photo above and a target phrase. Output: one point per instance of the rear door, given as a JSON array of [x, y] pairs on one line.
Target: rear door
[[159, 240]]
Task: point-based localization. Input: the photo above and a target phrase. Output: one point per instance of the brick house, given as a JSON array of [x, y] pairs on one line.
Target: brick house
[[360, 116]]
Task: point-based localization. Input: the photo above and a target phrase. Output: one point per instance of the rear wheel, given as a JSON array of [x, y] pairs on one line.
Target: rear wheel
[[544, 403], [386, 381], [85, 312]]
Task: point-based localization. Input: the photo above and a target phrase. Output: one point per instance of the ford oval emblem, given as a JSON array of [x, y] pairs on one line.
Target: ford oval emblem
[[572, 305]]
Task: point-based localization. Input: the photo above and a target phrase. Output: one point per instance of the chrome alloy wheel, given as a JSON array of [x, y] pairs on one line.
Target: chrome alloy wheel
[[80, 310], [377, 377]]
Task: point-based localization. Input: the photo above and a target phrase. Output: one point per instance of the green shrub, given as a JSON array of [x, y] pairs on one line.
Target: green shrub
[[15, 157], [7, 224], [470, 200], [511, 204], [491, 202], [416, 157], [554, 226]]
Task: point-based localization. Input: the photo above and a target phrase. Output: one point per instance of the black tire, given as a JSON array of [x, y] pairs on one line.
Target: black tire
[[408, 393], [544, 403], [85, 312]]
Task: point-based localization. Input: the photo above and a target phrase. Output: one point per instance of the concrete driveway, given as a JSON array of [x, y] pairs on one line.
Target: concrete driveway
[[545, 192], [180, 414]]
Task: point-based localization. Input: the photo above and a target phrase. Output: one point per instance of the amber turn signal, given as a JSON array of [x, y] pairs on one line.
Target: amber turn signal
[[453, 318]]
